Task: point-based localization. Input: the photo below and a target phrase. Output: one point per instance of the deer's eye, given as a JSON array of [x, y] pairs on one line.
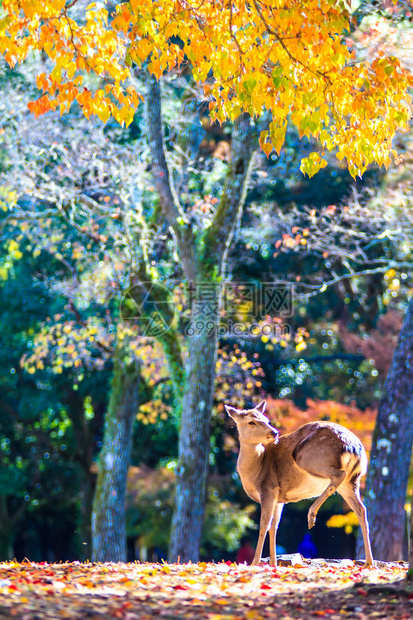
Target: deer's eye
[[252, 423]]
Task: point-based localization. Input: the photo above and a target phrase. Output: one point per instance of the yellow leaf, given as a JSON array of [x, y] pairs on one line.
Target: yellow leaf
[[267, 147], [103, 113], [143, 49]]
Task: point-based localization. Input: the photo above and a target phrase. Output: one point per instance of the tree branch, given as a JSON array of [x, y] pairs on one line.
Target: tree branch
[[100, 345], [219, 235], [320, 288], [163, 182], [22, 215]]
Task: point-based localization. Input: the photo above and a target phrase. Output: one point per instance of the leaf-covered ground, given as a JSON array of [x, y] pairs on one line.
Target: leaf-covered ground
[[309, 589]]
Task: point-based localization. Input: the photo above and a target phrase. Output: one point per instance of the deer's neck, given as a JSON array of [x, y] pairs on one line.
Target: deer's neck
[[250, 460]]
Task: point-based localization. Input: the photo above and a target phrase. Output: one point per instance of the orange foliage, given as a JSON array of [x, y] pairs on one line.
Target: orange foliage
[[290, 57]]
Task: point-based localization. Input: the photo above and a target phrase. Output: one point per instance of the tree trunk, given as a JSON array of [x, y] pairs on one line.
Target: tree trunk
[[192, 470], [391, 453], [203, 259], [409, 575], [194, 442], [108, 516]]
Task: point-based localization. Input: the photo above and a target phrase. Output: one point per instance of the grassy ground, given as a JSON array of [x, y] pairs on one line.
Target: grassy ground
[[309, 589]]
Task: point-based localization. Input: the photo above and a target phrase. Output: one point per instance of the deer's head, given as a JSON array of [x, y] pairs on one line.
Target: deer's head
[[253, 426]]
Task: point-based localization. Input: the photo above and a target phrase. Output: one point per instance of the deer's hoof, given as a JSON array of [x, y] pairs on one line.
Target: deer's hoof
[[311, 520]]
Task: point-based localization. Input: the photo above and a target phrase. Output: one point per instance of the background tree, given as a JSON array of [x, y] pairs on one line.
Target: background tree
[[391, 453], [204, 266], [47, 436], [108, 517], [360, 238]]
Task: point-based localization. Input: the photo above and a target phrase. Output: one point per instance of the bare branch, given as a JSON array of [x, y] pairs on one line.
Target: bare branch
[[229, 209], [163, 181], [22, 215], [320, 288]]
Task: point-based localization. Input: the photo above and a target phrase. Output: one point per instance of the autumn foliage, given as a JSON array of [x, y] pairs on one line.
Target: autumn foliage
[[291, 58], [201, 591]]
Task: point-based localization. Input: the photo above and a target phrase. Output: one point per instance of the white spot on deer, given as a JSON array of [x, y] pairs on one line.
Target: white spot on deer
[[345, 459]]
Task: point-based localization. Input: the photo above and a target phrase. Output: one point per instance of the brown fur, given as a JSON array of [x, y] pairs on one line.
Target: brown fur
[[316, 460]]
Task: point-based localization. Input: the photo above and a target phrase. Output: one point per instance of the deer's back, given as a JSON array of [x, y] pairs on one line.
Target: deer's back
[[326, 443], [301, 462]]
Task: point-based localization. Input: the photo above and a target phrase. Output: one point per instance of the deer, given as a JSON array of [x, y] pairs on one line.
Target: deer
[[316, 460]]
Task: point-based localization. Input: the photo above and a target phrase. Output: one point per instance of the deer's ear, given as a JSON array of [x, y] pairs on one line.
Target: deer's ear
[[261, 407], [232, 412]]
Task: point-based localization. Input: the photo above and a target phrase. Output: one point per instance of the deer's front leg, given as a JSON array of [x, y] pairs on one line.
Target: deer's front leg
[[268, 502], [273, 533]]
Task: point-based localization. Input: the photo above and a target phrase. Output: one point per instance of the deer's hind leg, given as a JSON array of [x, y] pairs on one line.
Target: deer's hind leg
[[350, 492], [336, 478], [319, 466]]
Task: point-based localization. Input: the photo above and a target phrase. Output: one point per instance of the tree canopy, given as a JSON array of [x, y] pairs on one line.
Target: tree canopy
[[290, 59]]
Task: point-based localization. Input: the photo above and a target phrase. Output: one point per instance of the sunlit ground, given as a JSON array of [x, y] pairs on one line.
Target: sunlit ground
[[205, 590]]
